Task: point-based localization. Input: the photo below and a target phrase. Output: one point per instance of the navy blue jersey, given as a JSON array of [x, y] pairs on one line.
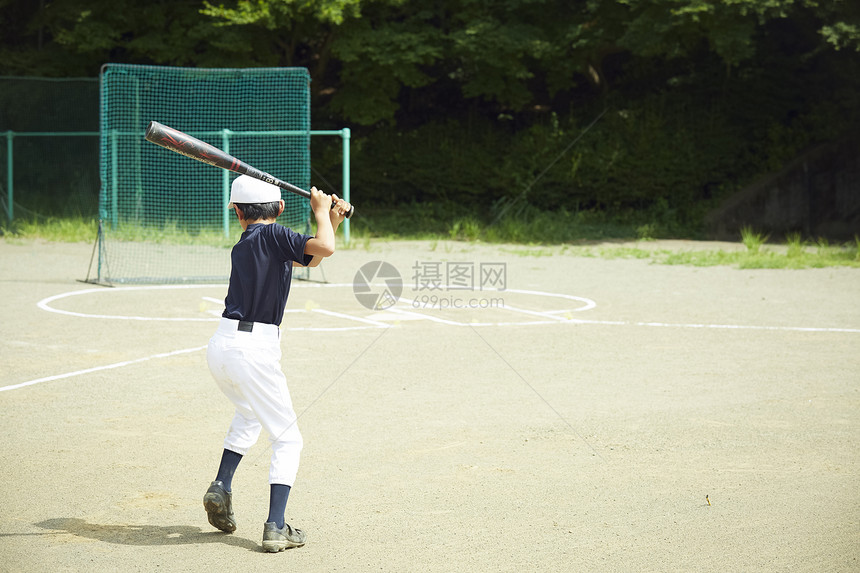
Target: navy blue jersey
[[262, 267]]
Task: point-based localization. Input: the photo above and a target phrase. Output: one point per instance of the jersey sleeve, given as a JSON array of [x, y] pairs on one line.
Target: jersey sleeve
[[293, 245]]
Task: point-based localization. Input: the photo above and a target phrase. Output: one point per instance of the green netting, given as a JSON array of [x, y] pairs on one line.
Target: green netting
[[164, 216]]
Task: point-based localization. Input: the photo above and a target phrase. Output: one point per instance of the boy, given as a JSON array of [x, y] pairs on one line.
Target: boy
[[244, 354]]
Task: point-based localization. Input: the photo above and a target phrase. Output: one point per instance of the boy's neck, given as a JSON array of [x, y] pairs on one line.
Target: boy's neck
[[245, 223]]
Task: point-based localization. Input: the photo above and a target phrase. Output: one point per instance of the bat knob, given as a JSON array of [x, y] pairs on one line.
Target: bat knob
[[348, 214]]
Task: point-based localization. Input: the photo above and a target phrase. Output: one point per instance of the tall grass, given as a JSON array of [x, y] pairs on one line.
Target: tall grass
[[752, 241], [528, 226], [74, 229], [85, 229], [796, 245], [574, 230], [794, 254]]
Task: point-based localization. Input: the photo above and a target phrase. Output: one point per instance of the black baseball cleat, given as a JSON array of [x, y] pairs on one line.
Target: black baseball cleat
[[275, 539], [219, 506]]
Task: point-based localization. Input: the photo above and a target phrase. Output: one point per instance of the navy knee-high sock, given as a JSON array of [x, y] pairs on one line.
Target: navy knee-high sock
[[278, 495], [229, 461]]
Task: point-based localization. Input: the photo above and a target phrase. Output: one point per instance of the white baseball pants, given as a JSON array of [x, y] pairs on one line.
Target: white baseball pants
[[247, 368]]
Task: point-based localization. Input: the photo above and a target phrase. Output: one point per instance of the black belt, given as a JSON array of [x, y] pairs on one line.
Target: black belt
[[246, 326]]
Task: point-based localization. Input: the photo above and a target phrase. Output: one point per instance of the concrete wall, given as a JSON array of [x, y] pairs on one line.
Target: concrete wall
[[817, 195]]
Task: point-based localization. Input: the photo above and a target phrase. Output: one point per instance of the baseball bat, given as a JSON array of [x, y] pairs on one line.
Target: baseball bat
[[190, 146]]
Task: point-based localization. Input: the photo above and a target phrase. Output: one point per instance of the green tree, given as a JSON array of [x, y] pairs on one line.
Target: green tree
[[367, 57], [704, 94]]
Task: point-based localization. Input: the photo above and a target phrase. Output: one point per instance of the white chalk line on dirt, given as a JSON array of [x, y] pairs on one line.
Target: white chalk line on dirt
[[45, 304], [350, 317], [434, 319], [395, 313], [411, 312], [99, 368], [715, 326], [550, 316]]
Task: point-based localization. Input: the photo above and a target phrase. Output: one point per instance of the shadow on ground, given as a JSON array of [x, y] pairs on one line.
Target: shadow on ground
[[144, 534]]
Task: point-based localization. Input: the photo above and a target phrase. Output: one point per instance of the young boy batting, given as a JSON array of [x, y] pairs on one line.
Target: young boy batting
[[245, 352]]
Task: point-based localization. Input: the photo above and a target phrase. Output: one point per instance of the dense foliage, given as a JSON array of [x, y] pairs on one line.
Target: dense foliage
[[625, 106]]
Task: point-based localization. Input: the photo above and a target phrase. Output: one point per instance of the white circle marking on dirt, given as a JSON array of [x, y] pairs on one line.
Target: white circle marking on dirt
[[398, 314]]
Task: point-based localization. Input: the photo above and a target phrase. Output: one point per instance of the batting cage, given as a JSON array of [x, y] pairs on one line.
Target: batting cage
[[163, 216]]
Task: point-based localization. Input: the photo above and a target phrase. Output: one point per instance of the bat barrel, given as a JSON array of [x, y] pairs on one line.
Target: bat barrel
[[194, 148], [150, 129]]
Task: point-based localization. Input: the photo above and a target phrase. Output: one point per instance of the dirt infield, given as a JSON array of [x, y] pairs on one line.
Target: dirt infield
[[558, 413]]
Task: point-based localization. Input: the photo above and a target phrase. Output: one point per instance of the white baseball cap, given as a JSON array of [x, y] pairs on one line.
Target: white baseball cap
[[249, 190]]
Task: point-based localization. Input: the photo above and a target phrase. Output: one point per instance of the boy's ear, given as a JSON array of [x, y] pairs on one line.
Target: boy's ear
[[281, 207], [239, 212]]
